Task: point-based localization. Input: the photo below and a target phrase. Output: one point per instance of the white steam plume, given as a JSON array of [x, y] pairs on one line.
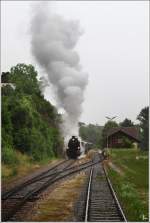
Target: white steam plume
[[53, 40]]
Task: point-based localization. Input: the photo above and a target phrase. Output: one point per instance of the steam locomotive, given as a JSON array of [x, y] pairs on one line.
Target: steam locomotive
[[73, 151]]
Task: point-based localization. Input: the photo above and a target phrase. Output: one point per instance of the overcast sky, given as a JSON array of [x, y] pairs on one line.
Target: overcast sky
[[113, 50]]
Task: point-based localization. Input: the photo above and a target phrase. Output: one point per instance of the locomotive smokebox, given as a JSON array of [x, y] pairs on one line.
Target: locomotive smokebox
[[73, 150]]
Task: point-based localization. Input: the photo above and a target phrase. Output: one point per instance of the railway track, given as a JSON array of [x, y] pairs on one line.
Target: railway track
[[14, 199], [8, 193], [100, 201], [46, 174]]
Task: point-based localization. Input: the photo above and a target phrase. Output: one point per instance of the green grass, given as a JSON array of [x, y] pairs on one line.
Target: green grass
[[132, 185], [11, 171]]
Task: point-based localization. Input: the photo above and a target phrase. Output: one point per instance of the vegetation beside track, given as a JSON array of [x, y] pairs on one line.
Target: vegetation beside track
[[30, 124], [131, 183], [24, 166]]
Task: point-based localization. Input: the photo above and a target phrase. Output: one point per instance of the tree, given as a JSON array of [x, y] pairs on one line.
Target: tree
[[127, 123], [5, 77], [90, 133], [30, 124], [25, 79], [109, 125], [126, 142], [7, 90], [143, 117]]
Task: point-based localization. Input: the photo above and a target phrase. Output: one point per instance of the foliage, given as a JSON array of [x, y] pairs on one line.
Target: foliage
[[5, 77], [126, 123], [9, 156], [107, 127], [126, 142], [25, 79], [143, 117], [25, 165], [29, 122], [132, 185], [90, 133]]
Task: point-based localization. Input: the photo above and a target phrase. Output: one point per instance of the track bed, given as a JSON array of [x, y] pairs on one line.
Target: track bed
[[98, 201], [15, 199]]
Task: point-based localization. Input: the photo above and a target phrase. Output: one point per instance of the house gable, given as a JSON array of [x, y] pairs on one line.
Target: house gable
[[116, 135]]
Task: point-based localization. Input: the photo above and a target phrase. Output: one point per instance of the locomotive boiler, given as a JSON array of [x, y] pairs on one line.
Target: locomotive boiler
[[73, 151]]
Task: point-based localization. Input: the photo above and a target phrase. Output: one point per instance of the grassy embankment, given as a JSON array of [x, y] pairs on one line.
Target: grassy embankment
[[21, 165], [131, 181]]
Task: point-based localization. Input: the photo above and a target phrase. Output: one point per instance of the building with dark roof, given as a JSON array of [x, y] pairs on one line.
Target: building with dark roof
[[121, 137]]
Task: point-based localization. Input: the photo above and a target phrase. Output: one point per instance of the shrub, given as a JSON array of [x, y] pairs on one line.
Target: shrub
[[9, 156], [126, 143]]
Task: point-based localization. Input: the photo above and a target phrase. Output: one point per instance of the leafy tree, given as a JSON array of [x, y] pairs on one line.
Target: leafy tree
[[126, 142], [7, 90], [25, 79], [143, 117], [109, 125], [7, 127], [90, 133], [30, 124], [127, 123], [5, 77]]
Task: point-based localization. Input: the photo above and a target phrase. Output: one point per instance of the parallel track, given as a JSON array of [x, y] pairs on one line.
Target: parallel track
[[15, 199], [7, 194]]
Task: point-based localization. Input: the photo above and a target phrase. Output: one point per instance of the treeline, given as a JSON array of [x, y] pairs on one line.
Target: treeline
[[30, 124], [91, 133], [98, 134]]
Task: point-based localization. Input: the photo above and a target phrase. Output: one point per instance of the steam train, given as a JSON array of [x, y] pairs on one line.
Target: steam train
[[73, 151]]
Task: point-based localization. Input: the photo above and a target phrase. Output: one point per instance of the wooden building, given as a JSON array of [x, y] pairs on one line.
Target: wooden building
[[122, 137]]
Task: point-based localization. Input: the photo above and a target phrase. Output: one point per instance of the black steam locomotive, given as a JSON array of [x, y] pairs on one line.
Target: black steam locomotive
[[73, 150]]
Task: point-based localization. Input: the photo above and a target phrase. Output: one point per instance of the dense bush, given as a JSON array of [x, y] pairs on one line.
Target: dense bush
[[126, 143], [29, 122]]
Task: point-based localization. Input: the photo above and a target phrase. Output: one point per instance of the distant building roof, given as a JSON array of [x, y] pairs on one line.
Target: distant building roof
[[130, 131]]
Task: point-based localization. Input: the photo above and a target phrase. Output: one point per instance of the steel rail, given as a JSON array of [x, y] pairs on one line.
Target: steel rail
[[61, 171], [88, 205], [65, 175], [7, 194], [28, 196], [114, 195], [38, 190], [88, 195], [38, 178]]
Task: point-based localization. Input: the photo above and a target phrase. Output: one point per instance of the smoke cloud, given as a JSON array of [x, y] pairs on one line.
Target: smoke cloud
[[53, 40]]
